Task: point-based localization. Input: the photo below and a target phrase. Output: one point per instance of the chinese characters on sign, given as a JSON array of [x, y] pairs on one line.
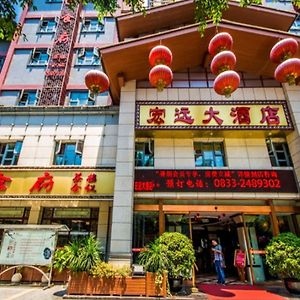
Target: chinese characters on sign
[[54, 87], [213, 115], [215, 181]]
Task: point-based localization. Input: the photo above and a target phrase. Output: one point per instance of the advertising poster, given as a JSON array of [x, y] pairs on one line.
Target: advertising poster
[[27, 247]]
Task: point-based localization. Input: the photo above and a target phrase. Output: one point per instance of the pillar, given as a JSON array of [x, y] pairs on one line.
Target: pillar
[[122, 212]]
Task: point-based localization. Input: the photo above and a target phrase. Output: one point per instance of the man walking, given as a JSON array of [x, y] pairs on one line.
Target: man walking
[[218, 261]]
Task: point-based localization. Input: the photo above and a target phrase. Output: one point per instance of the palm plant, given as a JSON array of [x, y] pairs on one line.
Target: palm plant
[[79, 256]]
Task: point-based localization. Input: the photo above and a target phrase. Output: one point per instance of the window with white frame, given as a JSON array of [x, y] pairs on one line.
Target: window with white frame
[[88, 57], [39, 57], [68, 153], [144, 153], [47, 26], [209, 154], [9, 153], [79, 98], [92, 25], [279, 153], [28, 98]]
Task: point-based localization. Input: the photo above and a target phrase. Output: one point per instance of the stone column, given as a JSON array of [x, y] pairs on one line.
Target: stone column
[[293, 97], [103, 223], [34, 214], [122, 214]]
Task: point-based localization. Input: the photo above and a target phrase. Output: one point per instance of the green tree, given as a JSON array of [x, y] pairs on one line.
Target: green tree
[[204, 10]]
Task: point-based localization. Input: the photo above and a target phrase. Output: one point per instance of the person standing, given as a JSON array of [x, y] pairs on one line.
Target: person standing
[[218, 261]]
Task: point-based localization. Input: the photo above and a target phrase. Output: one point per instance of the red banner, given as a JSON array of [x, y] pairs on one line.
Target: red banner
[[274, 181]]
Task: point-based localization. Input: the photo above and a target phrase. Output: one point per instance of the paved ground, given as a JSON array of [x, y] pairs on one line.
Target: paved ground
[[27, 292], [31, 292]]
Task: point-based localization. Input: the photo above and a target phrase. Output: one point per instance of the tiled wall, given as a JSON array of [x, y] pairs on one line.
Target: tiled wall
[[39, 134]]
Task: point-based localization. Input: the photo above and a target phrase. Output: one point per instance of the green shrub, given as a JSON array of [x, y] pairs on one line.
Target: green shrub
[[79, 256], [172, 252], [106, 270], [283, 256]]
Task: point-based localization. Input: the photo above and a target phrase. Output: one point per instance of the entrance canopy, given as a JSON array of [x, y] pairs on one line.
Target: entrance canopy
[[128, 60], [59, 228]]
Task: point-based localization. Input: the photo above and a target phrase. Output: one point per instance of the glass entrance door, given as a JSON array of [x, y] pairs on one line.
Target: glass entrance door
[[259, 231]]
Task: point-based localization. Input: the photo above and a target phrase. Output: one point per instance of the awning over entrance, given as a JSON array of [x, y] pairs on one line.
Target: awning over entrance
[[183, 12], [129, 60]]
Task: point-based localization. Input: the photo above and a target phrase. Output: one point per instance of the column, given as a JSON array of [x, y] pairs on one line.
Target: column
[[292, 94], [122, 214]]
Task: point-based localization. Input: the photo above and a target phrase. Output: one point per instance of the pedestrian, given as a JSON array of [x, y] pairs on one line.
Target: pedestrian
[[218, 261]]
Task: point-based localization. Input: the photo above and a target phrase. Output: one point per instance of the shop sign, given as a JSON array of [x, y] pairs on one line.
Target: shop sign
[[56, 182], [266, 115], [255, 181], [58, 67]]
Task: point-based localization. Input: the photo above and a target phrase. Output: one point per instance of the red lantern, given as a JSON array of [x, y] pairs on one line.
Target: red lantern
[[220, 42], [223, 61], [288, 71], [283, 50], [96, 81], [160, 55], [226, 83], [160, 76]]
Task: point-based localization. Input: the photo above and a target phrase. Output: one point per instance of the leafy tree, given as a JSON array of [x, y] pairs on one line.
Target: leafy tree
[[204, 10]]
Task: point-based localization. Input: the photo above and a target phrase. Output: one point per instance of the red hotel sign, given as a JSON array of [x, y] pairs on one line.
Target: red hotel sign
[[207, 115], [275, 181]]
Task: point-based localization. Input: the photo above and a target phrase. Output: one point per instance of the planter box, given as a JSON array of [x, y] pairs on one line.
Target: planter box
[[82, 284], [60, 276], [6, 276]]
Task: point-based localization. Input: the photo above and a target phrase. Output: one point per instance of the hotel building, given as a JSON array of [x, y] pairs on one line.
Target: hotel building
[[132, 163]]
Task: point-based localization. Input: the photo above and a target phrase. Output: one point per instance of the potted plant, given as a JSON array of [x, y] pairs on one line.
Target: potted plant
[[283, 259], [79, 257], [173, 253]]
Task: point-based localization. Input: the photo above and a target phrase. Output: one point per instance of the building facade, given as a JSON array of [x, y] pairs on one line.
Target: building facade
[[132, 163]]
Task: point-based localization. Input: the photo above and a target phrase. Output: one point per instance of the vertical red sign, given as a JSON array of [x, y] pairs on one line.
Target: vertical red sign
[[59, 64]]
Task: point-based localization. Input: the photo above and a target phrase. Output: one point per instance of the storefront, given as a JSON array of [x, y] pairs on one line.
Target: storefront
[[78, 198]]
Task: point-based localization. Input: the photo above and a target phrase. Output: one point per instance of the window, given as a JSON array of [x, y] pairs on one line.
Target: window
[[279, 153], [39, 57], [28, 98], [2, 59], [92, 25], [68, 153], [78, 98], [81, 221], [209, 154], [9, 153], [88, 57], [144, 154], [47, 26]]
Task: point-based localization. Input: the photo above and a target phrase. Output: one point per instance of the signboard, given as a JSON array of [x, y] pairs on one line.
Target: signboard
[[206, 115], [239, 259], [59, 64], [62, 182], [274, 181], [28, 247]]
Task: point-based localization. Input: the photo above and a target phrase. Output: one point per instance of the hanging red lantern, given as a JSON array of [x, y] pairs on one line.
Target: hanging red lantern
[[160, 55], [283, 50], [160, 76], [96, 81], [220, 42], [223, 61], [288, 71], [226, 83]]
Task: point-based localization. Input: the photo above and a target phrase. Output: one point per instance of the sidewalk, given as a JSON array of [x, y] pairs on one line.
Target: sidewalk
[[58, 292]]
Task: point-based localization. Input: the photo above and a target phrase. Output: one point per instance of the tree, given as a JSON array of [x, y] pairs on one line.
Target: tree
[[204, 10]]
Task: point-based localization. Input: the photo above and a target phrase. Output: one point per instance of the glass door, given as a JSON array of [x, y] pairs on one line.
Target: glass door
[[259, 233]]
